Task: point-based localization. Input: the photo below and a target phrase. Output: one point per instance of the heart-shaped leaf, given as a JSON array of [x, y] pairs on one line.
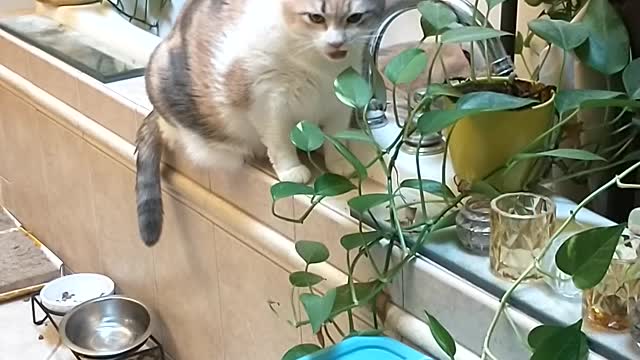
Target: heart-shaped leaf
[[434, 121], [362, 203], [492, 101], [300, 351], [631, 78], [469, 34], [307, 136], [586, 256], [304, 279], [318, 308], [442, 336], [406, 66], [574, 154], [556, 343], [352, 89], [286, 189], [560, 33], [519, 45], [312, 252], [349, 156], [354, 135], [329, 184], [365, 293], [430, 186], [438, 15], [569, 100], [358, 240], [607, 48]]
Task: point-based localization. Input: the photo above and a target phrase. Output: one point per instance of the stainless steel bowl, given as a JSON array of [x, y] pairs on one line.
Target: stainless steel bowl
[[106, 327]]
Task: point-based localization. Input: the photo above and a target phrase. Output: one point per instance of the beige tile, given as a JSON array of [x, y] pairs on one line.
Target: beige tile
[[250, 190], [187, 284], [70, 194], [13, 56], [133, 89], [123, 256], [106, 107], [22, 165], [248, 281], [52, 78]]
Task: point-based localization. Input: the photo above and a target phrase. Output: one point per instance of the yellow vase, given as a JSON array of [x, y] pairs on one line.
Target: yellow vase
[[482, 143]]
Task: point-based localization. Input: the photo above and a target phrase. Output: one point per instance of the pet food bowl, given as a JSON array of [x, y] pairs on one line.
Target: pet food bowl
[[63, 294], [106, 327]]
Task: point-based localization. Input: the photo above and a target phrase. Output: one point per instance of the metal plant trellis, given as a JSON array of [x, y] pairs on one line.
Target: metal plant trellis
[[139, 15]]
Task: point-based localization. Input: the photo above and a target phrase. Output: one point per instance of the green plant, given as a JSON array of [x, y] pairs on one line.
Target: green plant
[[585, 257]]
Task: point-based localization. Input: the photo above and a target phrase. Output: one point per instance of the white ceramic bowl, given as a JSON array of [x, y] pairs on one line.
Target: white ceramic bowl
[[63, 294]]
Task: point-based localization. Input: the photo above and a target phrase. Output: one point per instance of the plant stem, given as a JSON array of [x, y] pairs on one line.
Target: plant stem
[[394, 97], [536, 73], [433, 61], [473, 52], [423, 204], [564, 60], [551, 130], [505, 298], [526, 66]]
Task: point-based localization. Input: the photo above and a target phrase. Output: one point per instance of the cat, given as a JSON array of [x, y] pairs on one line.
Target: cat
[[232, 79]]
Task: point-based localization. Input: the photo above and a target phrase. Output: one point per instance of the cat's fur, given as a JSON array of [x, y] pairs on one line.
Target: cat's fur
[[232, 79]]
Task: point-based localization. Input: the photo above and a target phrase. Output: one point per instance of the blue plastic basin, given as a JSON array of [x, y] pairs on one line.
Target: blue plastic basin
[[368, 348]]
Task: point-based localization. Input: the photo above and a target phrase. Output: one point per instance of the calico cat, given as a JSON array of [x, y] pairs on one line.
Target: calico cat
[[233, 78]]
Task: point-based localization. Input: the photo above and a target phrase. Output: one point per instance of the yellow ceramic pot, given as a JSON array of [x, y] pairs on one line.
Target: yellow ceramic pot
[[482, 143]]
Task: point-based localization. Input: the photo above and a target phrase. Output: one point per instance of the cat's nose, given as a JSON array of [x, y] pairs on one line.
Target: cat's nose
[[336, 44]]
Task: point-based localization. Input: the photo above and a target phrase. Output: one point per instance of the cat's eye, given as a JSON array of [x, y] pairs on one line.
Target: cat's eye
[[355, 18], [316, 18]]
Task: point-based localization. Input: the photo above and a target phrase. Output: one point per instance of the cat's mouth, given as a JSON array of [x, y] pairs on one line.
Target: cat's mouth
[[337, 54]]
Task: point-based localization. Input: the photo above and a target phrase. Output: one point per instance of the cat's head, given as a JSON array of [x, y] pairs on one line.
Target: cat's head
[[332, 27]]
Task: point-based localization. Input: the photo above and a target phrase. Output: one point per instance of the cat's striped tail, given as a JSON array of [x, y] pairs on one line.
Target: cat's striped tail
[[148, 193]]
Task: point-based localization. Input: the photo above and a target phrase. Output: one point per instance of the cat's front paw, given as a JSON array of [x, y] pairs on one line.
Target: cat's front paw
[[298, 174], [339, 166]]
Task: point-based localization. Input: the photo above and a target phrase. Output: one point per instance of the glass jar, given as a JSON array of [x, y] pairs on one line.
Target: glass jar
[[521, 226], [473, 225]]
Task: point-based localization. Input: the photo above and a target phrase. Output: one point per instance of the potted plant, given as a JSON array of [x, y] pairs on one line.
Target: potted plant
[[476, 100]]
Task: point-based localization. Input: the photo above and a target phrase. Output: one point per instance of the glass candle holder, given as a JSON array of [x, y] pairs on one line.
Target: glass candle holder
[[608, 305], [473, 225], [521, 225], [556, 279]]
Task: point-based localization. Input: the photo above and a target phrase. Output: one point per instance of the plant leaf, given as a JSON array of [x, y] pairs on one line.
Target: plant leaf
[[492, 101], [631, 78], [586, 256], [560, 33], [446, 221], [406, 66], [574, 154], [349, 156], [352, 89], [438, 15], [557, 343], [568, 100], [358, 240], [365, 293], [373, 332], [519, 45], [470, 33], [312, 252], [307, 136], [607, 48], [435, 90], [493, 3], [434, 121], [362, 203], [286, 189], [318, 308], [484, 188], [430, 186], [300, 351], [442, 336], [304, 279], [329, 184], [354, 135]]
